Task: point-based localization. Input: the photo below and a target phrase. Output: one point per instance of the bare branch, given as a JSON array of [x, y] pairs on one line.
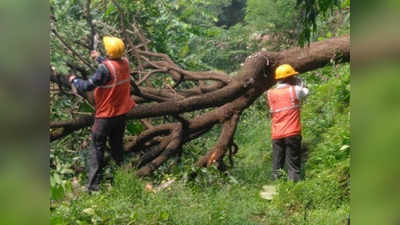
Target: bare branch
[[148, 75], [74, 53], [92, 38], [121, 17], [140, 35], [147, 123]]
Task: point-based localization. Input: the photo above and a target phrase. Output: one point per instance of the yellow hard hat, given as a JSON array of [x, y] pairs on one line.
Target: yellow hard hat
[[114, 47], [283, 71]]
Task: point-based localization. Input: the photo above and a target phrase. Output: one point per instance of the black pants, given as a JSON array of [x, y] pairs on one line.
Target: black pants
[[103, 129], [287, 149]]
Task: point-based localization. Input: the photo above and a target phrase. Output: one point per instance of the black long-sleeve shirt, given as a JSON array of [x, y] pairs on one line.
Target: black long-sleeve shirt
[[101, 77]]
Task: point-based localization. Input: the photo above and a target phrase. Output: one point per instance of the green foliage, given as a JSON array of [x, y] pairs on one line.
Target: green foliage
[[312, 10], [225, 49], [200, 12], [292, 22], [275, 17], [134, 127], [186, 31], [232, 14]]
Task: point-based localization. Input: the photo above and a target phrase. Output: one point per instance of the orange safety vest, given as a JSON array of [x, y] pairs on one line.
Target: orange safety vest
[[114, 98], [285, 110]]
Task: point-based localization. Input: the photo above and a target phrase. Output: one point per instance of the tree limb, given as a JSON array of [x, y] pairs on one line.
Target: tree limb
[[71, 49]]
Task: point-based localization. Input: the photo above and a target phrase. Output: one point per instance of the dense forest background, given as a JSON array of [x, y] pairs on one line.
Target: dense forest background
[[202, 35]]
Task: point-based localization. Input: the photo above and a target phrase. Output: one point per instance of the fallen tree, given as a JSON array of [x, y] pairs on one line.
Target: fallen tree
[[225, 96]]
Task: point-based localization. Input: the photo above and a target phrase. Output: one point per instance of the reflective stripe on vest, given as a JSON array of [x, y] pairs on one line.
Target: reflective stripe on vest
[[114, 99], [113, 74], [285, 112], [292, 100]]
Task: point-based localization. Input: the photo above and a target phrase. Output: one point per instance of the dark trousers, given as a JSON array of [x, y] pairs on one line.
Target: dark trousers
[[287, 150], [103, 129]]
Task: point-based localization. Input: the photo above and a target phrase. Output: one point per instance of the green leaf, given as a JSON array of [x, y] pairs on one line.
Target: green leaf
[[57, 221], [164, 216], [85, 107], [66, 171], [184, 51], [68, 187], [56, 179], [134, 127], [57, 192]]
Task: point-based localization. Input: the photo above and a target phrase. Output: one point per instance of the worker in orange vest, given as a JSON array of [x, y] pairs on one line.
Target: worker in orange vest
[[284, 103], [112, 88]]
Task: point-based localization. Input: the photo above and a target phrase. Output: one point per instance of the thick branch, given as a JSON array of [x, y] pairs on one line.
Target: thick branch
[[173, 146], [224, 142], [317, 55], [216, 98], [63, 128]]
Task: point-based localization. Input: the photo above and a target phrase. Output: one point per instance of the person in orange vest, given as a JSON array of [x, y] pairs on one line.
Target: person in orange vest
[[112, 88], [284, 103]]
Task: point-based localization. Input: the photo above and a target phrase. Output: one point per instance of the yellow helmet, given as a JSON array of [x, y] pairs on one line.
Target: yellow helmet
[[283, 71], [114, 47]]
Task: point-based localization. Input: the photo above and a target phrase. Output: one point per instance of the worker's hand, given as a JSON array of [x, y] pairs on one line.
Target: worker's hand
[[299, 81], [73, 88], [71, 78], [94, 54]]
